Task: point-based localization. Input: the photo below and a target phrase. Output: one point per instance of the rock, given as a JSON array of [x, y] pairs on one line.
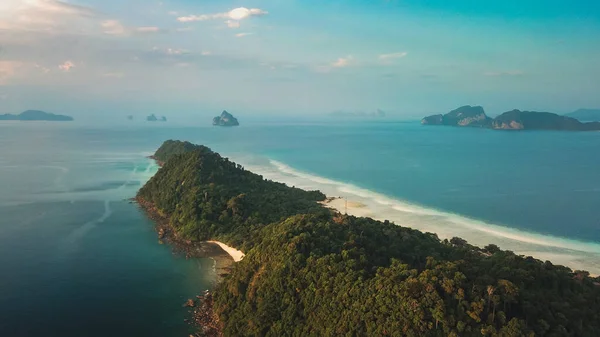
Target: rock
[[190, 303], [464, 116], [153, 118], [226, 119], [433, 120]]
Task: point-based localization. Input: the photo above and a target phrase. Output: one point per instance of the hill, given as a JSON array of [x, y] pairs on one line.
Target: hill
[[311, 271], [586, 115], [36, 115]]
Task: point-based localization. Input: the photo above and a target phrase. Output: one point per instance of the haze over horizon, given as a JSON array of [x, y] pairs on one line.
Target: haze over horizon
[[105, 58]]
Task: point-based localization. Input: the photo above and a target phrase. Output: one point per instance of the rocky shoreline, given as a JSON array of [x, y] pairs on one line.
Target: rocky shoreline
[[202, 313]]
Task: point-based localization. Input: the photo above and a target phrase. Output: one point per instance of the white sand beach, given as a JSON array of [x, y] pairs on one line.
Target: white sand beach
[[237, 255]]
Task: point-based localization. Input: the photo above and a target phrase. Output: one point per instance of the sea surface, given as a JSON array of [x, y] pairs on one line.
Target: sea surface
[[77, 259]]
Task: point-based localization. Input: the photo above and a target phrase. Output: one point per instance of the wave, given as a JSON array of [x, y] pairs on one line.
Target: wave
[[574, 253]]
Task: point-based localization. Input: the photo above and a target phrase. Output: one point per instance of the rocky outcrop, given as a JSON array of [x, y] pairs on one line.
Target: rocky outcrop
[[433, 120], [153, 118], [226, 119], [467, 115]]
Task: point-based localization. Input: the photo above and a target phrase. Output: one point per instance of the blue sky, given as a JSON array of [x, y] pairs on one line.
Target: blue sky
[[407, 57]]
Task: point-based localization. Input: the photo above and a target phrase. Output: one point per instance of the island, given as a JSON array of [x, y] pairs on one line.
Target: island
[[474, 116], [153, 118], [311, 270], [36, 115], [586, 115], [226, 119]]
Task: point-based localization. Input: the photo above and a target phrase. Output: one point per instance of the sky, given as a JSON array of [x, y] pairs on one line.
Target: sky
[[292, 57]]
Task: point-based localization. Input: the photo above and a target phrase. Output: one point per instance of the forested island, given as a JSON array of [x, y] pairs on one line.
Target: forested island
[[310, 271], [474, 116], [36, 115]]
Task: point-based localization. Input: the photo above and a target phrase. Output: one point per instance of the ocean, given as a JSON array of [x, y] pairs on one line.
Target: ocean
[[79, 260]]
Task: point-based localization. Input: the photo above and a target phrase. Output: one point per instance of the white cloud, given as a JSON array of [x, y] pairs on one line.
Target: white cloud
[[40, 15], [206, 53], [113, 27], [343, 62], [42, 68], [66, 66], [147, 29], [171, 51], [243, 34], [504, 73], [233, 16], [392, 56]]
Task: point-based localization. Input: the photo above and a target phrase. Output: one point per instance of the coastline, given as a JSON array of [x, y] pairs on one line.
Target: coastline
[[577, 255], [223, 255]]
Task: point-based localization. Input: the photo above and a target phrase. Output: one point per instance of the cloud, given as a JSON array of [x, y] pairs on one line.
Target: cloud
[[233, 17], [171, 51], [173, 13], [388, 58], [206, 53], [66, 67], [41, 15], [147, 29], [115, 27], [42, 68], [343, 62], [503, 73], [243, 34]]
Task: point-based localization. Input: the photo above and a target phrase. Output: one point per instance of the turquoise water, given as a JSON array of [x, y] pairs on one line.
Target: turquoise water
[[78, 260]]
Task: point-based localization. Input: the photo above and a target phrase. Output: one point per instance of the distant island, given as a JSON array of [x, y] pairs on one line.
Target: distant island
[[313, 271], [130, 117], [153, 118], [586, 115], [341, 113], [226, 119], [36, 115], [474, 116]]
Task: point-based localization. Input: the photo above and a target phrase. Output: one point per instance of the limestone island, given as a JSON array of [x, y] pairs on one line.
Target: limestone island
[[226, 119], [36, 115], [153, 118], [474, 116], [313, 271]]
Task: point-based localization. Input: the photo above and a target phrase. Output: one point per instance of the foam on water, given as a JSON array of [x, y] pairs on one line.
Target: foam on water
[[573, 253]]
